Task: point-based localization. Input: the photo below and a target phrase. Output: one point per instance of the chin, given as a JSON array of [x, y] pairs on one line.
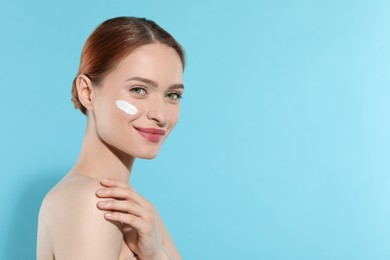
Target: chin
[[147, 154], [147, 157]]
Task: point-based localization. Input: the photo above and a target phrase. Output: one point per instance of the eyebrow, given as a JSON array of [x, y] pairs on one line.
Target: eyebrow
[[154, 83]]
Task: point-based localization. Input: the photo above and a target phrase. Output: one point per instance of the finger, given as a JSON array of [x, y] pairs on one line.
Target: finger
[[122, 206], [136, 222], [115, 183], [125, 194], [117, 193]]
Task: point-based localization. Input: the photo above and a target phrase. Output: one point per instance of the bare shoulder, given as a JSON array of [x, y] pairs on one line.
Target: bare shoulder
[[68, 195], [77, 228], [82, 187]]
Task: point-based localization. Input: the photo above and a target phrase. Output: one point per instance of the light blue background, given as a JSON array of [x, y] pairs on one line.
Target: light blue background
[[283, 147]]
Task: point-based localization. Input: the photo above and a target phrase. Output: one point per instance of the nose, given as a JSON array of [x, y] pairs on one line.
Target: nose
[[157, 111]]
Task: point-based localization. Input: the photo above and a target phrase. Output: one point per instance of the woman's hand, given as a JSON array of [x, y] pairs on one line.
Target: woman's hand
[[137, 216]]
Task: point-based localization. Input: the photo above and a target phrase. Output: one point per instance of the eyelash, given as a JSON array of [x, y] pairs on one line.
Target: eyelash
[[178, 96], [135, 90]]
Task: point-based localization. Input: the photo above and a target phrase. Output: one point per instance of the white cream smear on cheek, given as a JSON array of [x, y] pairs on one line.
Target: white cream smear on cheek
[[126, 107]]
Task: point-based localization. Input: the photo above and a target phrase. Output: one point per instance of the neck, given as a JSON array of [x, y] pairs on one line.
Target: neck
[[100, 160]]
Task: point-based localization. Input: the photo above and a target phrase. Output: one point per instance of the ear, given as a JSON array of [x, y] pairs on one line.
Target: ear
[[85, 91]]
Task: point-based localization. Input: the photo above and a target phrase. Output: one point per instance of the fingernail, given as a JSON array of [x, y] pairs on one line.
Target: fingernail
[[101, 203], [101, 191], [108, 215], [105, 180]]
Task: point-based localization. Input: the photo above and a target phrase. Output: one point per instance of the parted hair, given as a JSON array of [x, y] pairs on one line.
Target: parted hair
[[114, 40]]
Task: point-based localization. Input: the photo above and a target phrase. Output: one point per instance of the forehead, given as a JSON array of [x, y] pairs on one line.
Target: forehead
[[157, 62]]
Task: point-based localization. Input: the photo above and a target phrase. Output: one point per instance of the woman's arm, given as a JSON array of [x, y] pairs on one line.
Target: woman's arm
[[143, 228], [168, 243], [81, 231]]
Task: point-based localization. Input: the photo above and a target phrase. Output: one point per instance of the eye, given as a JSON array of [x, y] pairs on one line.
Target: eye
[[174, 96], [139, 91]]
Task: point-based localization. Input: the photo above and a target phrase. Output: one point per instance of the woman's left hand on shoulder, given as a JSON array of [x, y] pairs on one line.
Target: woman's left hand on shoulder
[[137, 215]]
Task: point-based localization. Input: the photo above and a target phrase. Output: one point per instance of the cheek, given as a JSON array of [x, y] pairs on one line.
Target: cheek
[[126, 107], [174, 114], [117, 114], [129, 109]]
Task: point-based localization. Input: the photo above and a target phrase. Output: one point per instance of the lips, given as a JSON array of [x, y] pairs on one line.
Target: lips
[[152, 134]]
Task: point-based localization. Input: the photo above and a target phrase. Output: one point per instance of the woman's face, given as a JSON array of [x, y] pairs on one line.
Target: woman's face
[[151, 79]]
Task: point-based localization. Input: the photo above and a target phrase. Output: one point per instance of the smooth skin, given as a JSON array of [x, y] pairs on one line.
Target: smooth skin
[[93, 212]]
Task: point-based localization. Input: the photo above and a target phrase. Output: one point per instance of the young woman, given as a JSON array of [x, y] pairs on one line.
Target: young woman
[[129, 86]]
